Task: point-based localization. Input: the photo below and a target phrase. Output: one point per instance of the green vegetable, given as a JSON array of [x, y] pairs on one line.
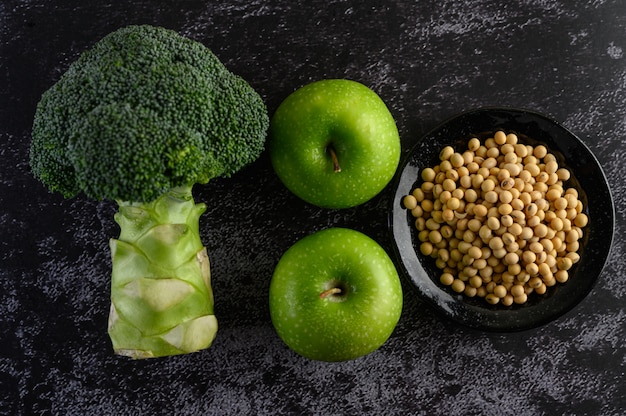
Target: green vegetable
[[140, 118]]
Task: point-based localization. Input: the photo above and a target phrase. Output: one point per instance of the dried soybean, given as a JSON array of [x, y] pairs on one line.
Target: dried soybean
[[498, 219]]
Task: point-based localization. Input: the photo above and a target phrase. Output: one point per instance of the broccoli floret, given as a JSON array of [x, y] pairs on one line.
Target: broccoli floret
[[143, 111], [140, 118]]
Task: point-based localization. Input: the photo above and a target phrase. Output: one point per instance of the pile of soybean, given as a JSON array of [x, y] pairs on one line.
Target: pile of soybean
[[498, 219]]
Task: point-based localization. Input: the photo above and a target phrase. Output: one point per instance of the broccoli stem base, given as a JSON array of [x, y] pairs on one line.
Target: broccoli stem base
[[161, 296]]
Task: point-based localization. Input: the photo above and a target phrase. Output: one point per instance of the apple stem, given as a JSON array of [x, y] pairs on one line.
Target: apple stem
[[333, 156], [330, 292]]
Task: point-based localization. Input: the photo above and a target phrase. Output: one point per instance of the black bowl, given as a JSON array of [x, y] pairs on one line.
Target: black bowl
[[587, 177]]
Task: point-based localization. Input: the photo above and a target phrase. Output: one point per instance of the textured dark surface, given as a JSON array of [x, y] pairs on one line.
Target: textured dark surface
[[428, 60]]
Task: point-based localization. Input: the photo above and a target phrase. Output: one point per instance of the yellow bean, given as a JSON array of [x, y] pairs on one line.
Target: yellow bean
[[514, 229], [446, 153], [540, 151], [426, 248], [428, 174], [497, 215], [563, 174], [499, 137], [520, 299], [581, 220], [553, 195], [540, 230], [517, 290], [446, 279], [511, 258], [551, 166], [473, 144], [458, 285], [457, 160], [500, 291], [453, 203], [410, 202], [561, 276], [505, 209], [564, 263]]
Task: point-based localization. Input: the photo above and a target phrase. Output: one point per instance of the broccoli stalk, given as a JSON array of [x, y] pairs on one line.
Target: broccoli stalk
[[140, 118], [161, 297]]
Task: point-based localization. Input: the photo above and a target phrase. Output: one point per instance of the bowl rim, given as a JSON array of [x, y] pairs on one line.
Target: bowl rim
[[457, 308]]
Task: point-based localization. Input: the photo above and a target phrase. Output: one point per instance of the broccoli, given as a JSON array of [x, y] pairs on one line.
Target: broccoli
[[139, 119]]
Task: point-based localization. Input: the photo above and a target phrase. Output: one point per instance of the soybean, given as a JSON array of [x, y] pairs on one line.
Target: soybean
[[498, 219]]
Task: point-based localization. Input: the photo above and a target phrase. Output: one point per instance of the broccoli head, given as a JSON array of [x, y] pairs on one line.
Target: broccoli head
[[143, 111], [140, 118]]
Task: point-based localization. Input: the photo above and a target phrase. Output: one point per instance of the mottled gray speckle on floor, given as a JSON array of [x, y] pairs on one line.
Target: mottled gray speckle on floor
[[428, 60]]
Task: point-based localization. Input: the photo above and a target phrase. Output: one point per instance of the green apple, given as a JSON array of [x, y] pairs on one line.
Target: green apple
[[335, 295], [334, 143]]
